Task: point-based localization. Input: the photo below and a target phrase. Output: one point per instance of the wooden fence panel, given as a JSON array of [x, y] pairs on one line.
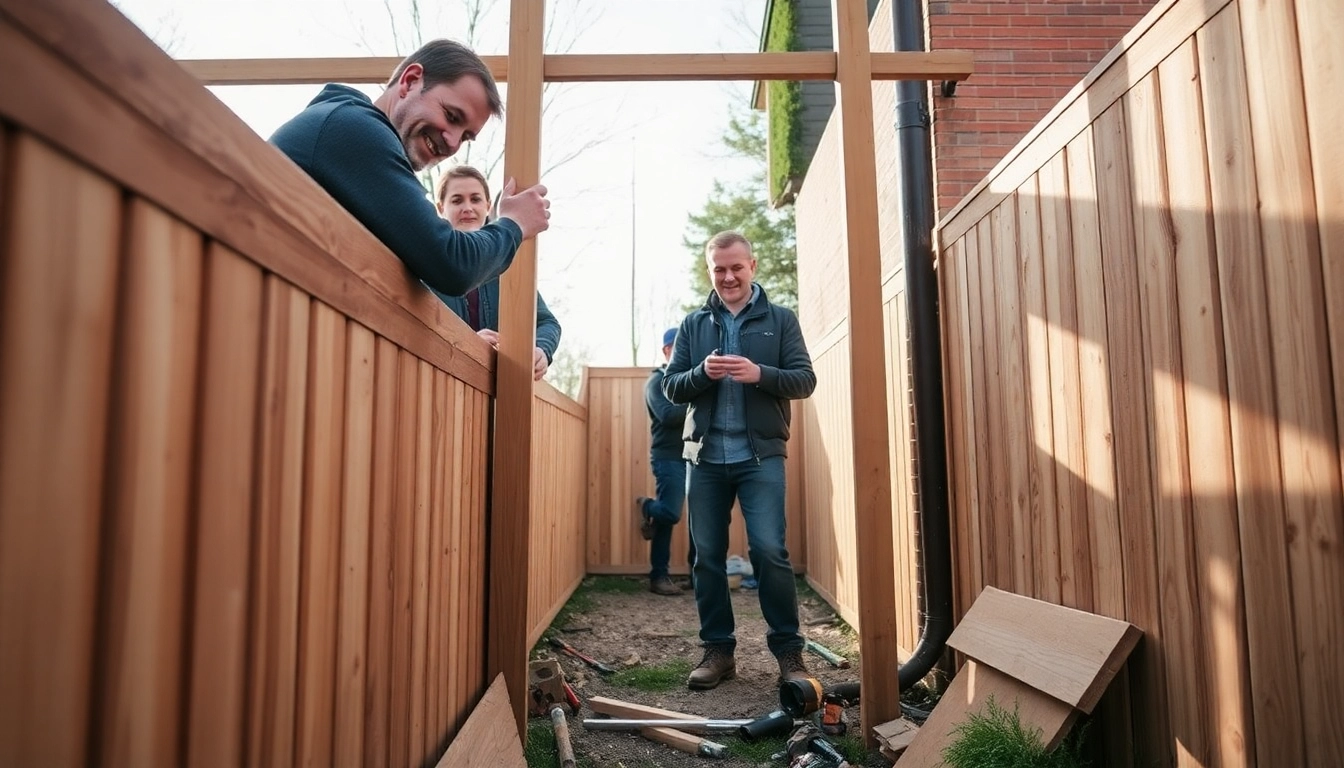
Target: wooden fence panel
[[618, 471], [218, 549], [559, 502], [1186, 203]]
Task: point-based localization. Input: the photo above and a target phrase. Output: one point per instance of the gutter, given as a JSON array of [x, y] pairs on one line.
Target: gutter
[[915, 202]]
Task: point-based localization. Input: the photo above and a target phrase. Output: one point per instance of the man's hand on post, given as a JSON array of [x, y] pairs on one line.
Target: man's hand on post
[[490, 336], [539, 364], [529, 209]]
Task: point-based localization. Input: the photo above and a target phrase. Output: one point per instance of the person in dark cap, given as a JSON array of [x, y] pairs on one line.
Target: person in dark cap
[[658, 514]]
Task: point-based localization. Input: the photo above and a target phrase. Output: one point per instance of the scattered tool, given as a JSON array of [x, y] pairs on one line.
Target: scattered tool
[[776, 723], [546, 686], [548, 695], [605, 669], [808, 748], [563, 748], [688, 743], [831, 657], [801, 697], [704, 725]]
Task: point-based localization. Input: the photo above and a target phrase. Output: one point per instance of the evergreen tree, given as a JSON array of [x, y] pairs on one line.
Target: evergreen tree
[[744, 208]]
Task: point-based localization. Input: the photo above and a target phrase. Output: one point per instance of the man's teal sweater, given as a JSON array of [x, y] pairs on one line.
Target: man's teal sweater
[[351, 149]]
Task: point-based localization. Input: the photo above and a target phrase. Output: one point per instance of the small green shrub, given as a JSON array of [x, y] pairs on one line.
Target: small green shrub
[[996, 738]]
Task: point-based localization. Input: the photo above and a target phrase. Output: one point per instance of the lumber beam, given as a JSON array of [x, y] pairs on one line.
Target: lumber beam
[[573, 68], [868, 369], [511, 468]]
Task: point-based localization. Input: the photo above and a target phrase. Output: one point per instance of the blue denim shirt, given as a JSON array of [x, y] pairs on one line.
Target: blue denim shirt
[[727, 441]]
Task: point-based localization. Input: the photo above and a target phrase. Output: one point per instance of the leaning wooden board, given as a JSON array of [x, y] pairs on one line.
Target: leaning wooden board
[[1047, 661]]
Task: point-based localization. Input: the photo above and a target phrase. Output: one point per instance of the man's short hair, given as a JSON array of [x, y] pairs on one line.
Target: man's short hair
[[447, 61], [460, 172], [726, 240]]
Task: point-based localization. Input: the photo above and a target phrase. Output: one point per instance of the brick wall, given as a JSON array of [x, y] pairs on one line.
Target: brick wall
[[1028, 54]]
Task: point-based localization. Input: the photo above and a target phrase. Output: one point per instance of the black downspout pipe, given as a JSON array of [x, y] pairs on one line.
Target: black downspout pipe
[[914, 173]]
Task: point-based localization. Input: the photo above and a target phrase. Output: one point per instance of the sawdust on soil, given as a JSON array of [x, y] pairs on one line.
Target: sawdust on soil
[[641, 628]]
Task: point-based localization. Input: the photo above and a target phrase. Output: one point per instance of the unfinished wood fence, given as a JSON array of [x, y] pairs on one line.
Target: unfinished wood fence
[[243, 454], [559, 504], [831, 520], [618, 471], [1143, 311]]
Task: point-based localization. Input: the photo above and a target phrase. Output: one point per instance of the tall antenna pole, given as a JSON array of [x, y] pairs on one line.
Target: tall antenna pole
[[634, 336]]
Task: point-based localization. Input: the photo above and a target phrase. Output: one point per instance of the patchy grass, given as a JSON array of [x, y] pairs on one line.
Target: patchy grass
[[997, 737], [540, 749], [654, 677], [757, 751], [612, 584]]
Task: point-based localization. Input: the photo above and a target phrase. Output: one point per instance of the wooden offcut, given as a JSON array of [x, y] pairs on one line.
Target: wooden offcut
[[1070, 655], [1045, 661], [489, 738], [971, 691]]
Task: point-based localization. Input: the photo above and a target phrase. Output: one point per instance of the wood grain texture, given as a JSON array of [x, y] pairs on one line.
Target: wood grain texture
[[1322, 64], [149, 476], [1276, 699], [278, 538], [1068, 654], [1208, 432], [1298, 333], [57, 323], [597, 68], [971, 691], [872, 461], [488, 739], [225, 410]]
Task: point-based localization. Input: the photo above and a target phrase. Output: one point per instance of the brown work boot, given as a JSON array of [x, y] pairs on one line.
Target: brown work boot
[[791, 666], [663, 586], [646, 522], [717, 665]]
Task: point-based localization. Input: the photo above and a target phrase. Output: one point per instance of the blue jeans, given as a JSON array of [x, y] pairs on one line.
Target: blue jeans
[[759, 487], [669, 478]]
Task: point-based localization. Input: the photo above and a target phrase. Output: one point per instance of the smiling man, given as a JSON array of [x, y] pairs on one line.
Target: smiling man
[[736, 363], [365, 154]]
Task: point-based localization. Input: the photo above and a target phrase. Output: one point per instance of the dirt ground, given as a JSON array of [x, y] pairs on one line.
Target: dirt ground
[[625, 625]]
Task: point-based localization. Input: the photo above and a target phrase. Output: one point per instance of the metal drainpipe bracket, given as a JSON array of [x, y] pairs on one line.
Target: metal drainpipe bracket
[[912, 114]]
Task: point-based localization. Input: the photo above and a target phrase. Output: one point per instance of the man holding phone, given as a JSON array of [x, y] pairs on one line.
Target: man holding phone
[[736, 363]]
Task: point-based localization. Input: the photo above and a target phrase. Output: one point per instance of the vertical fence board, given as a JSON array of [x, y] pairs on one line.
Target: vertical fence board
[[1308, 443], [378, 677], [437, 484], [149, 489], [1182, 654], [1222, 620], [277, 542], [56, 329], [1255, 449], [1061, 320], [999, 529], [403, 560], [1322, 57], [1012, 377], [355, 525], [226, 403], [420, 595], [1042, 504], [322, 535], [980, 394]]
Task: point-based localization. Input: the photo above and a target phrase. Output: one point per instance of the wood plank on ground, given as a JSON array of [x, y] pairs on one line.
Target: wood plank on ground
[[489, 739]]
